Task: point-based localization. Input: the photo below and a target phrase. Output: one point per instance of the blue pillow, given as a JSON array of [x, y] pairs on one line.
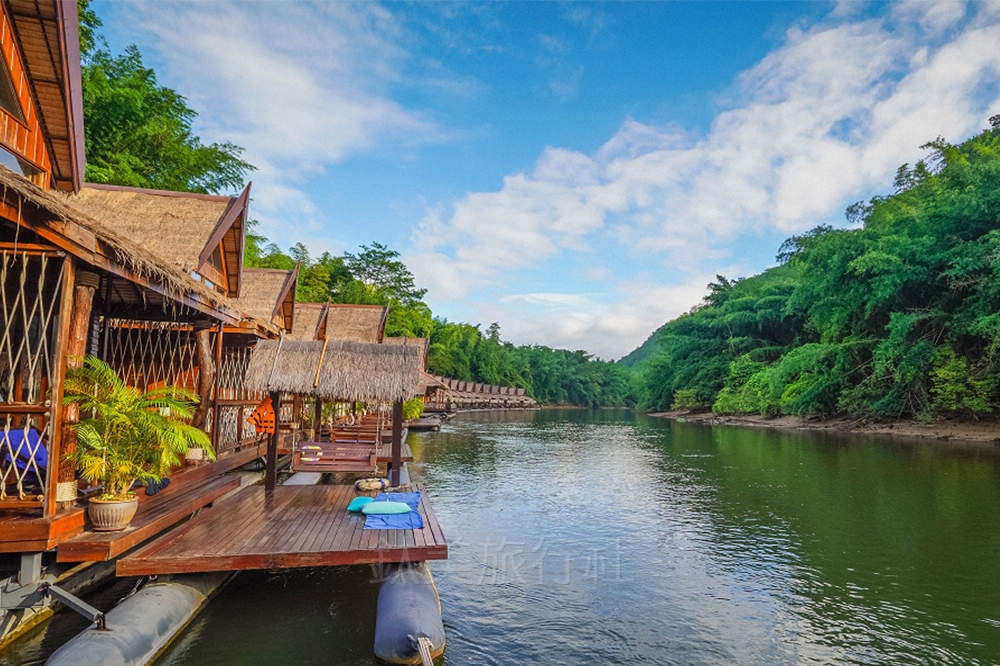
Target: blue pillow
[[358, 503], [383, 508]]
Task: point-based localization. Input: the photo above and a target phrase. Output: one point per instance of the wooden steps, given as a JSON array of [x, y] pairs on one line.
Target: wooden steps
[[156, 514]]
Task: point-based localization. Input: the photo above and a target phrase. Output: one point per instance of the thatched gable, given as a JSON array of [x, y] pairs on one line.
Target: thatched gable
[[50, 215], [427, 383], [339, 321], [198, 233], [349, 371], [309, 321], [269, 295], [359, 323]]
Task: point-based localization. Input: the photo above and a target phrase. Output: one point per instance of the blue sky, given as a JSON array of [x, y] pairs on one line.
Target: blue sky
[[577, 172]]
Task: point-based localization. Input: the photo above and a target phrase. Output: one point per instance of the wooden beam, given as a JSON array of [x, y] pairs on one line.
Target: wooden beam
[[397, 442], [85, 285], [56, 426], [216, 417], [271, 472]]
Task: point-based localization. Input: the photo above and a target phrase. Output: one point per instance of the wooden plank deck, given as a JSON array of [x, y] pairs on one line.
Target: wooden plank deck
[[291, 526], [152, 518], [383, 452], [25, 532]]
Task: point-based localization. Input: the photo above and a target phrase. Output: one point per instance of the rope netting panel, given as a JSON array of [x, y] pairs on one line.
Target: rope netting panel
[[231, 380], [234, 429], [30, 286], [150, 354]]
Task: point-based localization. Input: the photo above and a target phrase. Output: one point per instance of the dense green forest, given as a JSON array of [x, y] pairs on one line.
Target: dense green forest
[[899, 317], [375, 275]]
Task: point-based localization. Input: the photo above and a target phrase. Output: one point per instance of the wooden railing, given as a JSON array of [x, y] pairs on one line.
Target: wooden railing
[[234, 430], [24, 455]]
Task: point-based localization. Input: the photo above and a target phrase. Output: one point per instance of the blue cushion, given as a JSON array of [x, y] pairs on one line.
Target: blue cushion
[[358, 503], [382, 508]]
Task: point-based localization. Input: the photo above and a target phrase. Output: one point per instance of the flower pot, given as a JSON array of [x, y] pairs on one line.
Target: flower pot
[[195, 454], [111, 515]]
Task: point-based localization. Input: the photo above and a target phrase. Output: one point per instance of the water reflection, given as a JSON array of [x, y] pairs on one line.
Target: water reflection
[[605, 537]]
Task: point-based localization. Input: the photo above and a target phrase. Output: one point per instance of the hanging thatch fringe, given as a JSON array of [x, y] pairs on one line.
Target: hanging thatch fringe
[[352, 371], [175, 281]]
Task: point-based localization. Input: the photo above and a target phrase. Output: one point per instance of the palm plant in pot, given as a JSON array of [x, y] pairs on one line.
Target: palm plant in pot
[[126, 435]]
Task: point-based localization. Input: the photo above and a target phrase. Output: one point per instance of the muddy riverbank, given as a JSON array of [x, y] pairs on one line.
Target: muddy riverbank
[[982, 433]]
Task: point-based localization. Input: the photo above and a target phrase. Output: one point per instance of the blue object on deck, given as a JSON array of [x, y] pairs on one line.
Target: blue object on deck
[[358, 503], [27, 447], [399, 521], [408, 608]]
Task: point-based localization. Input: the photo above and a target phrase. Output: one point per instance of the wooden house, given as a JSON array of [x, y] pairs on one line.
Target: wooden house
[[98, 270]]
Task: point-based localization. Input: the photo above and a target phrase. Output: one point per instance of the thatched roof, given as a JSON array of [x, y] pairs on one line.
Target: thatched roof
[[350, 371], [359, 323], [90, 239], [339, 321], [422, 344], [307, 319], [269, 295], [427, 382], [182, 229]]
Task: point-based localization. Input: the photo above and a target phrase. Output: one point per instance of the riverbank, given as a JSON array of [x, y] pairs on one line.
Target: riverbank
[[984, 433]]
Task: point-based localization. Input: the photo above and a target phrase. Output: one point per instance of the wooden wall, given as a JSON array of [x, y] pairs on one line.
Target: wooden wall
[[25, 139]]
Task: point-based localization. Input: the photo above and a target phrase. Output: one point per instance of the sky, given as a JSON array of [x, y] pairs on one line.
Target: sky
[[577, 172]]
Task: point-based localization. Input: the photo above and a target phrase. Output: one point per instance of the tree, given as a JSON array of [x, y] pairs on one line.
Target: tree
[[379, 270], [138, 133]]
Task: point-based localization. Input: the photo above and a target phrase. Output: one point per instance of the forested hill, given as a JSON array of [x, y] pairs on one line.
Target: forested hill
[[897, 318], [644, 352]]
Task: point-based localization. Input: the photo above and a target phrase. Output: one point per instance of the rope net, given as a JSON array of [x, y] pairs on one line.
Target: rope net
[[30, 286]]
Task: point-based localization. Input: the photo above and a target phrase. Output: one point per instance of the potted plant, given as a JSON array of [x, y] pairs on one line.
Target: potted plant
[[127, 435]]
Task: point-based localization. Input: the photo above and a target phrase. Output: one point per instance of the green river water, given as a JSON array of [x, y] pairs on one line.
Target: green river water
[[582, 537]]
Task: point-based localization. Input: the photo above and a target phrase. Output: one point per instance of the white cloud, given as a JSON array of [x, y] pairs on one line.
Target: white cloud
[[583, 321], [822, 120]]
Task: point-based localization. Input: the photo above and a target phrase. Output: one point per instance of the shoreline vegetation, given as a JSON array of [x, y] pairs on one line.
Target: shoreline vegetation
[[893, 320], [980, 434]]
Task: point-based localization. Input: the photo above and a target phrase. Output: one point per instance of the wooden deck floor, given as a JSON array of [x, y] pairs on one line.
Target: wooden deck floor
[[292, 526], [384, 452]]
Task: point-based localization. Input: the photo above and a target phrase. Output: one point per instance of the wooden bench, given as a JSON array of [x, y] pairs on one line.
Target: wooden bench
[[334, 457], [155, 515]]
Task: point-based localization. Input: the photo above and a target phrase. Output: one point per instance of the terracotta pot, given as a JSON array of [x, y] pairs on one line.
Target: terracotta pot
[[111, 515]]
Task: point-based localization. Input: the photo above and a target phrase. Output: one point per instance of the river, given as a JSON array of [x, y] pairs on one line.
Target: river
[[606, 537], [610, 538]]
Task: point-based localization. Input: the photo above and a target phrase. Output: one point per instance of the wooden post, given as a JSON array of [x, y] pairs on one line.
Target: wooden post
[[397, 442], [271, 472], [206, 372], [317, 418], [216, 415], [79, 288]]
